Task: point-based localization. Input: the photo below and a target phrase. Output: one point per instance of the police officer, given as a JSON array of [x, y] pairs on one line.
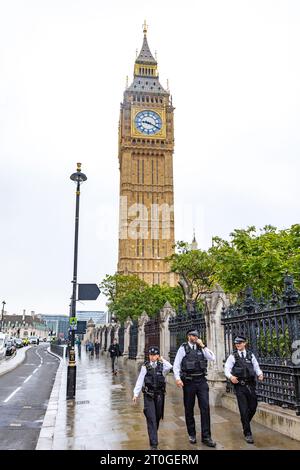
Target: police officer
[[190, 368], [152, 382], [241, 368]]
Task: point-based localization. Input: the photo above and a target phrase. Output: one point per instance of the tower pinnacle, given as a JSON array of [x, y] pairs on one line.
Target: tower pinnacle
[[145, 28]]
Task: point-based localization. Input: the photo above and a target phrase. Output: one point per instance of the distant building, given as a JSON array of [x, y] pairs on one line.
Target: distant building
[[58, 324], [99, 317], [24, 325], [194, 244]]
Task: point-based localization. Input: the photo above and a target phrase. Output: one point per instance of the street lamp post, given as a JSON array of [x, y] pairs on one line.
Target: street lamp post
[[78, 178], [2, 314]]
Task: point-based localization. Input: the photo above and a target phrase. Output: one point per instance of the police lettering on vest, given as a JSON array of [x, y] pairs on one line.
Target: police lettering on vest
[[154, 381], [194, 363], [243, 368]]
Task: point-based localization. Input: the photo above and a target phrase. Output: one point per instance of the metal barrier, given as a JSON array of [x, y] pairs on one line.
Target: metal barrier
[[58, 349], [181, 323], [152, 335], [272, 328], [133, 340]]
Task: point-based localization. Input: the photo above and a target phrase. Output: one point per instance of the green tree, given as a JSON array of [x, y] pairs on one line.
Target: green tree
[[128, 295], [259, 259], [196, 269]]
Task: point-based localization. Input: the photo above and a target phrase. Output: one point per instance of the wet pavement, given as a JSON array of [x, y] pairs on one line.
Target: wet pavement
[[103, 417]]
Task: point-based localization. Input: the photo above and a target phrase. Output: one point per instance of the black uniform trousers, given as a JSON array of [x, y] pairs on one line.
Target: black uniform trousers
[[153, 408], [197, 387], [113, 360], [247, 401]]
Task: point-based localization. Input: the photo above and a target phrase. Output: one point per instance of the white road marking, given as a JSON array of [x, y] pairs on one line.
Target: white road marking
[[35, 370], [27, 379], [11, 395], [26, 406], [15, 424]]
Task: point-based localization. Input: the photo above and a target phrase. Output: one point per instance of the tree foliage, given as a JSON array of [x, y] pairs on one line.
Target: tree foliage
[[251, 257], [259, 259], [196, 269], [128, 295]]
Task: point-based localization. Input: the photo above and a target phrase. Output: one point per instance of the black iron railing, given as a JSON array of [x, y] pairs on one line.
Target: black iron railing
[[121, 338], [181, 323], [133, 340], [272, 328], [152, 334], [105, 339]]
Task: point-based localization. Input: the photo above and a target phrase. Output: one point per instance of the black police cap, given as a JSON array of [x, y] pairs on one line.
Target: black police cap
[[153, 350], [240, 339], [193, 332]]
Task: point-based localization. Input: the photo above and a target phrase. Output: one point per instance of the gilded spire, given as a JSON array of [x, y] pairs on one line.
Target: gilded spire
[[194, 244], [145, 78], [145, 56], [145, 28]]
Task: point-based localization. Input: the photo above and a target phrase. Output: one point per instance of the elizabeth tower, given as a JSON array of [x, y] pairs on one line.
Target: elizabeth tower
[[146, 145]]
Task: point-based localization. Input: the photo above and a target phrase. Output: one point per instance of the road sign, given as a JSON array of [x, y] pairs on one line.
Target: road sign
[[81, 327], [88, 291], [73, 323]]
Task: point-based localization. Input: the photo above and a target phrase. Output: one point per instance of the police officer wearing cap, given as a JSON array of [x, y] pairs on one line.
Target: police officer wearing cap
[[242, 368], [190, 369], [152, 382]]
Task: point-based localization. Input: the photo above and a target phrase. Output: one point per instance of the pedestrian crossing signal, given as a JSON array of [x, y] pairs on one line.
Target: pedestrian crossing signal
[[73, 323]]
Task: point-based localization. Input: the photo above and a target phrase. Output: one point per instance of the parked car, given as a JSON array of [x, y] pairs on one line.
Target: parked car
[[25, 341], [2, 345], [10, 348], [34, 340], [19, 343]]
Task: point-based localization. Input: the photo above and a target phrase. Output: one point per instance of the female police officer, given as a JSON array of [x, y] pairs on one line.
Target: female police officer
[[189, 371], [151, 381], [241, 368]]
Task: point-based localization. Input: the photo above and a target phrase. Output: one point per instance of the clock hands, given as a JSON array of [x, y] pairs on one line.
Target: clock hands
[[150, 124]]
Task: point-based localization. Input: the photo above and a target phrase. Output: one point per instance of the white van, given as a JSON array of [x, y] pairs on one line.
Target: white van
[[2, 346]]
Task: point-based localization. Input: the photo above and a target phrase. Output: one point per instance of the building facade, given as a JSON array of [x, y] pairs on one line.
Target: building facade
[[146, 145], [98, 316], [21, 326], [57, 324]]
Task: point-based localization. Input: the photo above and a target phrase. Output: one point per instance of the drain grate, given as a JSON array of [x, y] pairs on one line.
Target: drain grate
[[83, 402]]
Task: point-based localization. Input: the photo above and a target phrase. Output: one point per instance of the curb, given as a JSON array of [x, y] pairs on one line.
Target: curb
[[46, 436], [16, 363]]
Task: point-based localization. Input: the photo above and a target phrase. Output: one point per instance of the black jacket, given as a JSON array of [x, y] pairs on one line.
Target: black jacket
[[114, 350]]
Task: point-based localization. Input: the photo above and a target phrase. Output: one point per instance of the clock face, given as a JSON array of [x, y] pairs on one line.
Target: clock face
[[148, 122]]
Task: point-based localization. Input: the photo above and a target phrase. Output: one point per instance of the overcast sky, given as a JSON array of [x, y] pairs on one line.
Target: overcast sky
[[234, 74]]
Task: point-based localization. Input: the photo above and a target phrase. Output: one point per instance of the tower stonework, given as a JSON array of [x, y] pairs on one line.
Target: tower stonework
[[146, 145]]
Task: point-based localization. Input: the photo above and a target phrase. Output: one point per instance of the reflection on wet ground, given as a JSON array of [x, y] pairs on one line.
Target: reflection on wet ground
[[102, 416]]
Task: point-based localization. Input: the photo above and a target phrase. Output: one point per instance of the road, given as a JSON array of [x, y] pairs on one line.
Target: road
[[24, 395]]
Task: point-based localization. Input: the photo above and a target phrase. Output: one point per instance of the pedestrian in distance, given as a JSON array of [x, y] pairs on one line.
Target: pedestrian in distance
[[97, 348], [242, 368], [114, 351], [91, 349], [152, 382], [78, 343], [190, 369]]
